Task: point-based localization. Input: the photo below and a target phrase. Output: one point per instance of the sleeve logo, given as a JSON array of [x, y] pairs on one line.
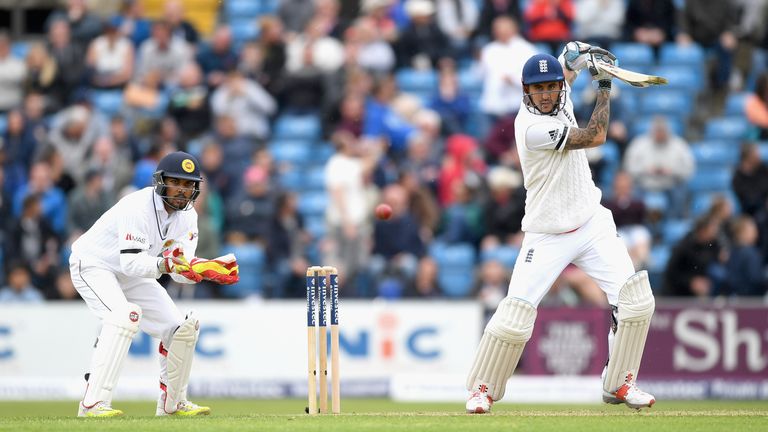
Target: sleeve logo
[[553, 135], [187, 165]]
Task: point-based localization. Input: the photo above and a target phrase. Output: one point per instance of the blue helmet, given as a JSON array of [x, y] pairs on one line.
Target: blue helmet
[[538, 69]]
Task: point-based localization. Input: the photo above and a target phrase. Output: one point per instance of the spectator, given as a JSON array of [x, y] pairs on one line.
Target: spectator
[[352, 112], [750, 180], [687, 273], [600, 22], [422, 163], [219, 178], [650, 22], [451, 103], [500, 145], [217, 57], [501, 63], [7, 219], [50, 199], [629, 215], [421, 204], [189, 103], [425, 284], [131, 22], [756, 107], [163, 52], [60, 179], [115, 172], [744, 269], [84, 25], [327, 15], [549, 21], [19, 288], [69, 59], [489, 11], [246, 102], [127, 145], [249, 213], [295, 15], [65, 289], [145, 100], [87, 203], [110, 59], [73, 137], [173, 14], [462, 165], [662, 162], [503, 211], [272, 48], [491, 286], [368, 48], [458, 20], [19, 145], [380, 12], [43, 76], [286, 251], [750, 32], [13, 72], [463, 217], [422, 44]]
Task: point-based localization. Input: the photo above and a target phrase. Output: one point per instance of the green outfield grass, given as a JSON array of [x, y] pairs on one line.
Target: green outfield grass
[[384, 415]]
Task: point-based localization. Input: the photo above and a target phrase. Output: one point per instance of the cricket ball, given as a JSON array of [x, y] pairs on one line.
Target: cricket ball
[[383, 211]]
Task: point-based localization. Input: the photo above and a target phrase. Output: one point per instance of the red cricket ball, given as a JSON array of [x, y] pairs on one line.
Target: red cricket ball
[[383, 211]]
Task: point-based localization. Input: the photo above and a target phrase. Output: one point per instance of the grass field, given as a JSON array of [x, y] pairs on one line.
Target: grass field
[[384, 415]]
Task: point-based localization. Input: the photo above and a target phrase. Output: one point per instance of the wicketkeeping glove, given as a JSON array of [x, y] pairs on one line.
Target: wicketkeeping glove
[[173, 261], [222, 270]]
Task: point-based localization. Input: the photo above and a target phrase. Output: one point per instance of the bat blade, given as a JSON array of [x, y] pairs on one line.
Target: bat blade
[[635, 79]]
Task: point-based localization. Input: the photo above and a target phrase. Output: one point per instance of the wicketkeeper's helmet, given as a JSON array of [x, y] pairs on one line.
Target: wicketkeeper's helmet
[[538, 69], [178, 165]]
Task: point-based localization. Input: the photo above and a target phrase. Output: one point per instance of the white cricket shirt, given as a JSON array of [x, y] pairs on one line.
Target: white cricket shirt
[[129, 237], [561, 194]]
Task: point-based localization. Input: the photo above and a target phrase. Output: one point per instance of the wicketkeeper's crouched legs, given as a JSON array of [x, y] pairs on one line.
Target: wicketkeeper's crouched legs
[[176, 365], [501, 346]]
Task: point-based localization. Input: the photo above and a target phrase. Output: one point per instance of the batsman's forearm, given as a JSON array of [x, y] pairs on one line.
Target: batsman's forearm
[[597, 130]]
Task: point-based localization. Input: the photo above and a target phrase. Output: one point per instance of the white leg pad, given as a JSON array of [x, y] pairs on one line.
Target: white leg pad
[[501, 346], [636, 306], [179, 361], [117, 331]]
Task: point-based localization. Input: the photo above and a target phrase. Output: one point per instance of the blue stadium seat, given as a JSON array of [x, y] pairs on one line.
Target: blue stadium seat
[[611, 152], [763, 149], [716, 153], [710, 179], [300, 127], [668, 101], [292, 179], [416, 81], [731, 128], [674, 230], [269, 7], [702, 201], [506, 255], [251, 260], [314, 178], [295, 152], [659, 257], [313, 203], [681, 77], [655, 201], [322, 152], [316, 226], [19, 49], [3, 123], [643, 125], [630, 53], [109, 102], [456, 264], [241, 9], [734, 104], [244, 30], [544, 48], [674, 54], [470, 81]]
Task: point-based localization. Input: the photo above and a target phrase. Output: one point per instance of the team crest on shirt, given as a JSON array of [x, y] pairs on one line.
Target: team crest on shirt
[[133, 316], [192, 236], [167, 243], [187, 165]]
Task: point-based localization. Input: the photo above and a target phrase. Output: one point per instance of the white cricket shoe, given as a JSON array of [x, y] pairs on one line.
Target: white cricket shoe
[[629, 394], [479, 402], [100, 409], [184, 408]]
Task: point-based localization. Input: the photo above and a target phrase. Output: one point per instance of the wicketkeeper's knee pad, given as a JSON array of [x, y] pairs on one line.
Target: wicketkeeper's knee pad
[[501, 346], [635, 309], [179, 355]]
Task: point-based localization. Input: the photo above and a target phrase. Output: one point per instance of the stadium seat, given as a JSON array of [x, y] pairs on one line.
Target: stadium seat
[[717, 154], [683, 77], [323, 151], [674, 54], [291, 179], [313, 203], [702, 201], [711, 179], [669, 102], [269, 7], [470, 81], [456, 264], [299, 127], [251, 260], [416, 81], [3, 123], [655, 201], [506, 255], [316, 226], [731, 128], [659, 257], [611, 152], [630, 53], [294, 152], [241, 9], [19, 49], [544, 48], [643, 125], [314, 178], [763, 149], [734, 104], [674, 230], [109, 102], [244, 30]]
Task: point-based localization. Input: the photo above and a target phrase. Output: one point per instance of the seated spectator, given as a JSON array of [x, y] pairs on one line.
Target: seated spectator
[[33, 240], [549, 21], [69, 61], [220, 179], [489, 11], [73, 136], [422, 43], [458, 20], [295, 14], [132, 23], [250, 212], [500, 145], [19, 288], [116, 172], [43, 75], [217, 57], [599, 22], [662, 162], [272, 46], [246, 102], [19, 147], [85, 26], [189, 103], [13, 72], [629, 215], [352, 112], [756, 107], [451, 103], [50, 199], [650, 22], [462, 218], [145, 100], [688, 269], [173, 14], [492, 285], [286, 248], [368, 48], [381, 13], [327, 15], [127, 146], [163, 52], [421, 203], [574, 287], [65, 289], [110, 59], [87, 203], [744, 269], [425, 284], [505, 207], [462, 165], [750, 180]]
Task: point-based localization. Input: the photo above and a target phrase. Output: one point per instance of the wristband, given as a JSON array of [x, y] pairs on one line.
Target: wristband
[[604, 84]]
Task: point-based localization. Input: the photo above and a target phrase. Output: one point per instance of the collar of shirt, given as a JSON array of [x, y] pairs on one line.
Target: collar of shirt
[[163, 218]]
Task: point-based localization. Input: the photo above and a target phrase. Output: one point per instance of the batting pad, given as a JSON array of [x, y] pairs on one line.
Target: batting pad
[[636, 306], [179, 360], [501, 346], [117, 331]]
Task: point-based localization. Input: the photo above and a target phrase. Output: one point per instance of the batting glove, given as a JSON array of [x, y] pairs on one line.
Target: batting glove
[[173, 261], [574, 56], [222, 270]]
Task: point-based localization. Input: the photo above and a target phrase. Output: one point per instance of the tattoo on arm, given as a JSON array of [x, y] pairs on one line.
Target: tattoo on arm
[[598, 125]]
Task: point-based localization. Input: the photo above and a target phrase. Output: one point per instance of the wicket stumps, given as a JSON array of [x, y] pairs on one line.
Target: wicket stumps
[[318, 280]]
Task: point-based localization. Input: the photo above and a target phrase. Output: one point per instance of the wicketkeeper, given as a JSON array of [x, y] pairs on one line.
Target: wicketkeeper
[[115, 266]]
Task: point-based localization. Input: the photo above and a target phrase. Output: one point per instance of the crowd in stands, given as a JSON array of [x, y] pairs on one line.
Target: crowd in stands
[[305, 114]]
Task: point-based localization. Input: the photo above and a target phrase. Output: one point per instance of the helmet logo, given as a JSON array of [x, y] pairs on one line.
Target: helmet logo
[[187, 165], [543, 66]]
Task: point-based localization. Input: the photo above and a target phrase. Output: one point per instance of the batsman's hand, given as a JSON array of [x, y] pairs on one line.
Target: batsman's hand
[[593, 65], [575, 54], [174, 261], [222, 270]]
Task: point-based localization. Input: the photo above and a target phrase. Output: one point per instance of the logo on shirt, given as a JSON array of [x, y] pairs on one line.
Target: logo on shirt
[[192, 236], [543, 67], [529, 256], [553, 135], [131, 237], [187, 165], [133, 316]]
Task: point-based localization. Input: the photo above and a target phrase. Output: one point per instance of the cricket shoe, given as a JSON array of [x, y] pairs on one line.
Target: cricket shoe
[[100, 409], [629, 394], [479, 402], [184, 408]]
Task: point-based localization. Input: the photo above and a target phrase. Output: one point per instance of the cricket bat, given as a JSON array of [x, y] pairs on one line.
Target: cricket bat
[[635, 79]]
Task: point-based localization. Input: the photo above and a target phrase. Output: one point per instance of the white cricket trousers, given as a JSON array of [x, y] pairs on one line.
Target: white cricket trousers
[[595, 248], [103, 290]]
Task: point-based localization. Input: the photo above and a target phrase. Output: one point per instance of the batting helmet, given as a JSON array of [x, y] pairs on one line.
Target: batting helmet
[[538, 69], [179, 165]]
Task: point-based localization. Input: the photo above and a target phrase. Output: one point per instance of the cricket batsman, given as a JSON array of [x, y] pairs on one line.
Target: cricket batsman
[[564, 223], [114, 267]]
